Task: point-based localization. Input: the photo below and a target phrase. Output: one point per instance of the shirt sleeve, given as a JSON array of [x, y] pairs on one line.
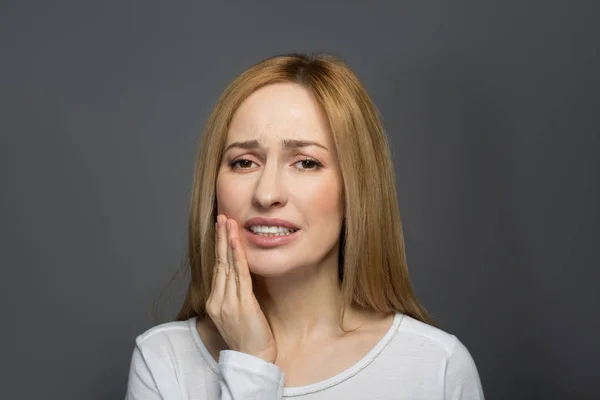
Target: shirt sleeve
[[242, 377], [247, 377], [461, 378]]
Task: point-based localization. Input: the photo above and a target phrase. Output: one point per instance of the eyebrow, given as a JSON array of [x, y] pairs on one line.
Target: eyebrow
[[287, 143]]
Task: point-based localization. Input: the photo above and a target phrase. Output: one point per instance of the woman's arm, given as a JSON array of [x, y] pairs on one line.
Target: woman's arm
[[247, 377], [242, 377], [247, 371]]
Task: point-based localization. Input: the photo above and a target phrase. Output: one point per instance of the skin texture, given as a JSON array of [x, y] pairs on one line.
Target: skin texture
[[274, 181], [282, 304]]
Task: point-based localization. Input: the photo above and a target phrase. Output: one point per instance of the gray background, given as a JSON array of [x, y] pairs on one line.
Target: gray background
[[492, 110]]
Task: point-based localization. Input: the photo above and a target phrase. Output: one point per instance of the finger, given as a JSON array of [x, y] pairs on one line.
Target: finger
[[219, 272], [240, 266], [242, 271], [231, 284], [216, 252], [222, 236]]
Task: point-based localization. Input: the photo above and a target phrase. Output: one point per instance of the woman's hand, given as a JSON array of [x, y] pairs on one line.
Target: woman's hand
[[232, 305]]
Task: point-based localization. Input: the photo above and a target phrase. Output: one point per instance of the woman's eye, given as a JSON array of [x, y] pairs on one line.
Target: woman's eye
[[241, 164], [308, 164]]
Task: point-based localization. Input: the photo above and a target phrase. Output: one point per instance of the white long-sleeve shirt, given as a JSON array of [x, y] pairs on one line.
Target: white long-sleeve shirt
[[412, 361]]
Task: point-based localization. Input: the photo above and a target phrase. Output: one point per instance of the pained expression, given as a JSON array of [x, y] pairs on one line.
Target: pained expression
[[286, 168]]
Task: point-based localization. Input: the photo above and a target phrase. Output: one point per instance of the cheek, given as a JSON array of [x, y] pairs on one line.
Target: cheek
[[322, 199], [226, 196]]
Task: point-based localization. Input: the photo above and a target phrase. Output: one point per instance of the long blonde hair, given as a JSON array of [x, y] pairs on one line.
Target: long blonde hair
[[373, 271]]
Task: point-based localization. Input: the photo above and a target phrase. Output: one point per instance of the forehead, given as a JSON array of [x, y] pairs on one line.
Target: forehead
[[279, 111]]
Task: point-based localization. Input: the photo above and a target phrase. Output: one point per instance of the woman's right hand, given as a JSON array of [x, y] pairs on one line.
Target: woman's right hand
[[232, 305]]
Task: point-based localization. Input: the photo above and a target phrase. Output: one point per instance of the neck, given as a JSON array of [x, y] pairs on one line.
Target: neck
[[304, 305]]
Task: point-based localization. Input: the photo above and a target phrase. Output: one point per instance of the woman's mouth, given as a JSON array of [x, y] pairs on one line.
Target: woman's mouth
[[270, 236], [269, 231]]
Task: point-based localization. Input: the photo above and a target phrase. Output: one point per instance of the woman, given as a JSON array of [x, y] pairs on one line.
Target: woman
[[299, 284]]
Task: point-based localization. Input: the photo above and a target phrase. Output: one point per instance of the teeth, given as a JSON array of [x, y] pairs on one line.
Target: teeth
[[271, 230]]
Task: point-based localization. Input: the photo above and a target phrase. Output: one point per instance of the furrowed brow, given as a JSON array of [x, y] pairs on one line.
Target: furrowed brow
[[287, 143], [293, 144], [248, 144]]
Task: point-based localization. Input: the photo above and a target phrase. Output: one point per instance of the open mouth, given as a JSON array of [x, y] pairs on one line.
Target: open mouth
[[271, 231], [267, 237]]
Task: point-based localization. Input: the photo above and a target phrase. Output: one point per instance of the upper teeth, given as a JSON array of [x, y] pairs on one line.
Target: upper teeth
[[270, 229]]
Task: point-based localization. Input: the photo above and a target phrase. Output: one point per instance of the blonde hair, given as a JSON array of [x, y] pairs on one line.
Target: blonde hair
[[372, 262]]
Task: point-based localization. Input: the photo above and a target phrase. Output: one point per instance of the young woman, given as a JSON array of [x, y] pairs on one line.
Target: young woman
[[299, 284]]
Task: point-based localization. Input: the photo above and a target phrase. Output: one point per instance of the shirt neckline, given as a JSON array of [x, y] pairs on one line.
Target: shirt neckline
[[317, 386]]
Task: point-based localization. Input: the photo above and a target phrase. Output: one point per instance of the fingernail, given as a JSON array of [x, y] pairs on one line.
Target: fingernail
[[228, 225]]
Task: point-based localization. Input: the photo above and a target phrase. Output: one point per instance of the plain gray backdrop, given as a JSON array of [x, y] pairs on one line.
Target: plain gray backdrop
[[492, 109]]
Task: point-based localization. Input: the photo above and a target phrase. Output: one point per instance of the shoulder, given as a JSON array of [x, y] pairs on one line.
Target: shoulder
[[162, 331], [170, 337], [163, 358], [434, 349], [428, 336]]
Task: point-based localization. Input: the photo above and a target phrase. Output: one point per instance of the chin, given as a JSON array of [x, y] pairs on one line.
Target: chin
[[266, 273], [271, 265]]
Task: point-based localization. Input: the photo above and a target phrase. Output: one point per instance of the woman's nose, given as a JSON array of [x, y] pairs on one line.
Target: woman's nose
[[269, 190]]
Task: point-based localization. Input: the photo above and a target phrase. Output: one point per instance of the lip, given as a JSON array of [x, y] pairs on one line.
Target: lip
[[269, 222], [267, 242]]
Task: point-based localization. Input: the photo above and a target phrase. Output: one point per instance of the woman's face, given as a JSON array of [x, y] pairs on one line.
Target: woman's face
[[279, 164]]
